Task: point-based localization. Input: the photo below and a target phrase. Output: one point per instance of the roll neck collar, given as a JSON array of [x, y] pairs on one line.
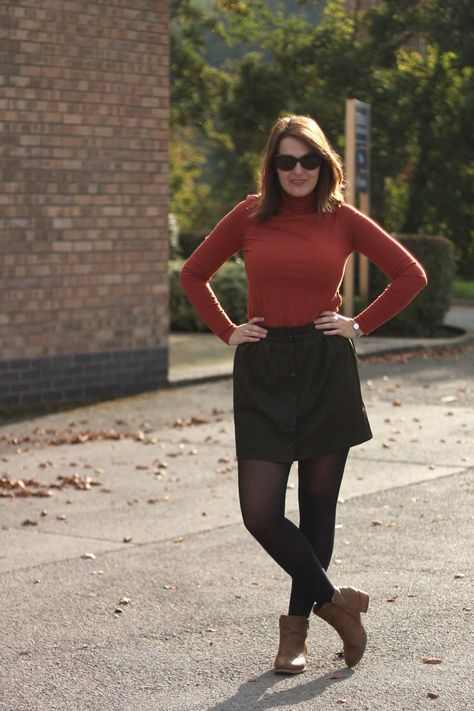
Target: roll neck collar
[[291, 204]]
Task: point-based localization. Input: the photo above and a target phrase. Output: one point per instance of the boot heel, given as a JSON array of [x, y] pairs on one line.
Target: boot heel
[[363, 601]]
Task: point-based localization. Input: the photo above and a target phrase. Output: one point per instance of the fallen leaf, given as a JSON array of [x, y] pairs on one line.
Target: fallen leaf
[[127, 539], [29, 522], [376, 522], [432, 695], [432, 660]]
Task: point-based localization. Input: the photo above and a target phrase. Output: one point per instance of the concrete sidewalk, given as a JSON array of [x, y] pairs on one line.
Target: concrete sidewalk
[[196, 357], [144, 592], [132, 585]]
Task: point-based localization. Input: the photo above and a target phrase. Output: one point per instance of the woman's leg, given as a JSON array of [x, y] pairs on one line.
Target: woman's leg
[[262, 491], [319, 481]]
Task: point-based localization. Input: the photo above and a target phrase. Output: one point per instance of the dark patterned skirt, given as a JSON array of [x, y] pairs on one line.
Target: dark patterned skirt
[[297, 395]]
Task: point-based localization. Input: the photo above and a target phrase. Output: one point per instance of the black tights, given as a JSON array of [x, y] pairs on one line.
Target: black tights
[[304, 552]]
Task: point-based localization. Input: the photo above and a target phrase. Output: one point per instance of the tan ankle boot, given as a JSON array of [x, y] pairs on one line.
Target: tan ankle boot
[[291, 657], [343, 613]]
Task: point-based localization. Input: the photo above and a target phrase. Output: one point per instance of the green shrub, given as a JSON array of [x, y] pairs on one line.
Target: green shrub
[[229, 285], [425, 314]]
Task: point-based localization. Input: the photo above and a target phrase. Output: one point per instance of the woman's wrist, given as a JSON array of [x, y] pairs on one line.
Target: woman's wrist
[[358, 332]]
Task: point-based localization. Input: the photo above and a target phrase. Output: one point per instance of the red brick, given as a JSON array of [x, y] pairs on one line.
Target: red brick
[[84, 200]]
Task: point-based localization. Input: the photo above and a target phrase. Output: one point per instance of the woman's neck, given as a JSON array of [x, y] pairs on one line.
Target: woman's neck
[[297, 204]]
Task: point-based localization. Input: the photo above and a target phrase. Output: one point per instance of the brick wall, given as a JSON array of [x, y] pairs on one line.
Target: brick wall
[[84, 109]]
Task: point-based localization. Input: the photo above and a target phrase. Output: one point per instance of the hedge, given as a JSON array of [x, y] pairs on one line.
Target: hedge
[[421, 318], [425, 314], [229, 285]]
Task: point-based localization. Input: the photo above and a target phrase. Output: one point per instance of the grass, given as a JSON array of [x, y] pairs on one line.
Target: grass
[[463, 289]]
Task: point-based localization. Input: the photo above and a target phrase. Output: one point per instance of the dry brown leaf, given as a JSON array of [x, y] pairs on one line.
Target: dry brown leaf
[[432, 660], [432, 695], [376, 522]]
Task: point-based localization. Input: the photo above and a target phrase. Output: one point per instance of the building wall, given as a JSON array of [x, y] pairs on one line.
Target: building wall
[[84, 109]]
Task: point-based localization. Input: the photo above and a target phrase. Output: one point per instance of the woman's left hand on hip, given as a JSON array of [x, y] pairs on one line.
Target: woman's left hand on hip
[[334, 324]]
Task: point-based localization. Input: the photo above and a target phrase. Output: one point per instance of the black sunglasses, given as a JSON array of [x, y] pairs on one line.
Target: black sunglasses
[[310, 161]]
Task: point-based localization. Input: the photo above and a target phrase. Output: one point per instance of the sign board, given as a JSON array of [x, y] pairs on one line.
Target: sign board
[[362, 146], [357, 170]]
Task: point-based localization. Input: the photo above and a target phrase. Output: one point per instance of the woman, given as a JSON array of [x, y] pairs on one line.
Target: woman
[[296, 384]]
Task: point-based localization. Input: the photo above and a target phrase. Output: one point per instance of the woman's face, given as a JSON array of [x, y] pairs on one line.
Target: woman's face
[[297, 182]]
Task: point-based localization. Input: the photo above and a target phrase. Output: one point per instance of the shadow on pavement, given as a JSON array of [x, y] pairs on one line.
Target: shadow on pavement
[[251, 694]]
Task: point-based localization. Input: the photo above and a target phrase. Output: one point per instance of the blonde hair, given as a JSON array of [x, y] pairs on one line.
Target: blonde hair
[[328, 194]]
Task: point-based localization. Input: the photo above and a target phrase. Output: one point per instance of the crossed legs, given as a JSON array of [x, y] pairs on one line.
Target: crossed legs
[[304, 552]]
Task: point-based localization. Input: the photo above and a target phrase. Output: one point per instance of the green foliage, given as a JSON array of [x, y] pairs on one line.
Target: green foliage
[[425, 314], [412, 60], [229, 285], [463, 289]]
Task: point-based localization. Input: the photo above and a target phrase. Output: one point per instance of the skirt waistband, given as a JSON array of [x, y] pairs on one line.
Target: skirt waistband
[[287, 333]]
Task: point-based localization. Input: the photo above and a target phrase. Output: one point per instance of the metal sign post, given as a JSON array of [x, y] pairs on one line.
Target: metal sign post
[[357, 160]]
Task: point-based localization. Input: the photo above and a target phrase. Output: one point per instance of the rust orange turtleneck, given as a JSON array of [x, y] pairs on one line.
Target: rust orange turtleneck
[[295, 263]]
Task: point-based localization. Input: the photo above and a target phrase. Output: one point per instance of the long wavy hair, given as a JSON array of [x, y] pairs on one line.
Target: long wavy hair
[[328, 194]]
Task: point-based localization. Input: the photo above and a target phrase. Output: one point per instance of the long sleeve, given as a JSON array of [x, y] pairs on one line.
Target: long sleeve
[[407, 275], [225, 240]]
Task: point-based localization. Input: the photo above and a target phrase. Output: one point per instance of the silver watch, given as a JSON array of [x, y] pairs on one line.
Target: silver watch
[[356, 328]]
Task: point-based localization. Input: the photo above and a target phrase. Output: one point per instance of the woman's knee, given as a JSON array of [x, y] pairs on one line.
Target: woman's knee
[[259, 526]]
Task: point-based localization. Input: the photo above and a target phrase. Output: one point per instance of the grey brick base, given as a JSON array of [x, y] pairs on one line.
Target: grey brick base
[[80, 378]]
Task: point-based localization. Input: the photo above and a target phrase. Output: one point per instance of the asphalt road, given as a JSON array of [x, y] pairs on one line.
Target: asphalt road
[[178, 610]]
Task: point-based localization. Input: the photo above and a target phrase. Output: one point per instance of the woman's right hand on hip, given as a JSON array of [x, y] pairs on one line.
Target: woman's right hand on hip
[[249, 332]]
